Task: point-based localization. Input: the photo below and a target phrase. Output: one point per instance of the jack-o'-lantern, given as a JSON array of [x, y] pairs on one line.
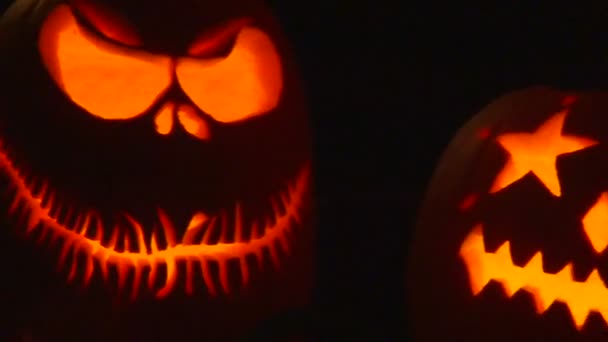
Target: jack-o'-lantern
[[156, 161], [512, 239]]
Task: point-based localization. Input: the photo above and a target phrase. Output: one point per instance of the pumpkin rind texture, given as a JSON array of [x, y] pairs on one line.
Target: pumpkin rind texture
[[511, 242], [156, 162]]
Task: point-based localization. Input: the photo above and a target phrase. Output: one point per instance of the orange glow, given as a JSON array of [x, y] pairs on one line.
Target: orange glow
[[581, 298], [537, 152], [139, 254], [164, 118], [192, 122], [108, 81], [595, 224], [247, 83]]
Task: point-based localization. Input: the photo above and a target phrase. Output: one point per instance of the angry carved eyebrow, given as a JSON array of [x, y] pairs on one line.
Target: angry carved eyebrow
[[219, 38], [106, 22]]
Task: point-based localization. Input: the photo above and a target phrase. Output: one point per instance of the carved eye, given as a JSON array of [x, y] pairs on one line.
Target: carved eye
[[107, 80], [246, 83]]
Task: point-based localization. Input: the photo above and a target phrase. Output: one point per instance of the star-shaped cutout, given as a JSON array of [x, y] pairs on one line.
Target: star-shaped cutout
[[537, 152]]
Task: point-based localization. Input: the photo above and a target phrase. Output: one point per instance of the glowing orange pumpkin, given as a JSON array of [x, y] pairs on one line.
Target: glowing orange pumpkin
[[512, 239], [158, 153]]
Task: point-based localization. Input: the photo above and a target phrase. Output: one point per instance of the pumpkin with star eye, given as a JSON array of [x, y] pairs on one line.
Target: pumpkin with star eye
[[157, 165], [511, 243]]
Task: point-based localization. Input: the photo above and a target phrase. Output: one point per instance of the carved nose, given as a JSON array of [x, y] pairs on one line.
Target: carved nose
[[187, 117]]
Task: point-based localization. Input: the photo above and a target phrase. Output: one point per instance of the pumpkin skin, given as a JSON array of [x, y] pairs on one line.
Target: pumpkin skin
[[511, 239], [157, 166]]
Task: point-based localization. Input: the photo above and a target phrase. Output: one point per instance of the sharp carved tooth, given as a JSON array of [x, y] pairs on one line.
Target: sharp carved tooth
[[295, 216], [224, 276], [74, 220], [42, 192], [136, 282], [275, 206], [33, 220], [207, 277], [238, 223], [53, 238], [274, 256], [282, 239], [51, 201], [43, 233], [73, 266], [254, 229], [153, 244], [153, 270], [259, 256], [85, 224], [56, 210], [122, 270], [224, 228], [195, 225], [189, 287], [244, 270], [67, 216], [23, 177], [88, 274], [14, 204], [36, 184], [168, 229], [285, 199], [77, 223], [113, 238], [99, 232], [140, 243], [127, 243], [208, 232], [67, 246], [103, 265]]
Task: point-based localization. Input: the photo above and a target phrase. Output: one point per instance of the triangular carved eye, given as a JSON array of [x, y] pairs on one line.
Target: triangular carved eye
[[107, 80], [246, 83]]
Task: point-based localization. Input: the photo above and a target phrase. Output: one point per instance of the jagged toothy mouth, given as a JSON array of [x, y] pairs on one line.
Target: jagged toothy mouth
[[139, 254], [580, 297]]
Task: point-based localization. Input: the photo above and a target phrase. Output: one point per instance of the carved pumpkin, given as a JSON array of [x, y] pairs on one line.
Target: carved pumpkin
[[156, 158], [512, 239]]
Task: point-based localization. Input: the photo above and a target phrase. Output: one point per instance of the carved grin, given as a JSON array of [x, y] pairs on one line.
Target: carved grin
[[536, 153], [545, 288], [139, 253]]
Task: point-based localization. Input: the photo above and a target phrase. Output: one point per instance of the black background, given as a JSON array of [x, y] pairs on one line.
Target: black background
[[389, 83]]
